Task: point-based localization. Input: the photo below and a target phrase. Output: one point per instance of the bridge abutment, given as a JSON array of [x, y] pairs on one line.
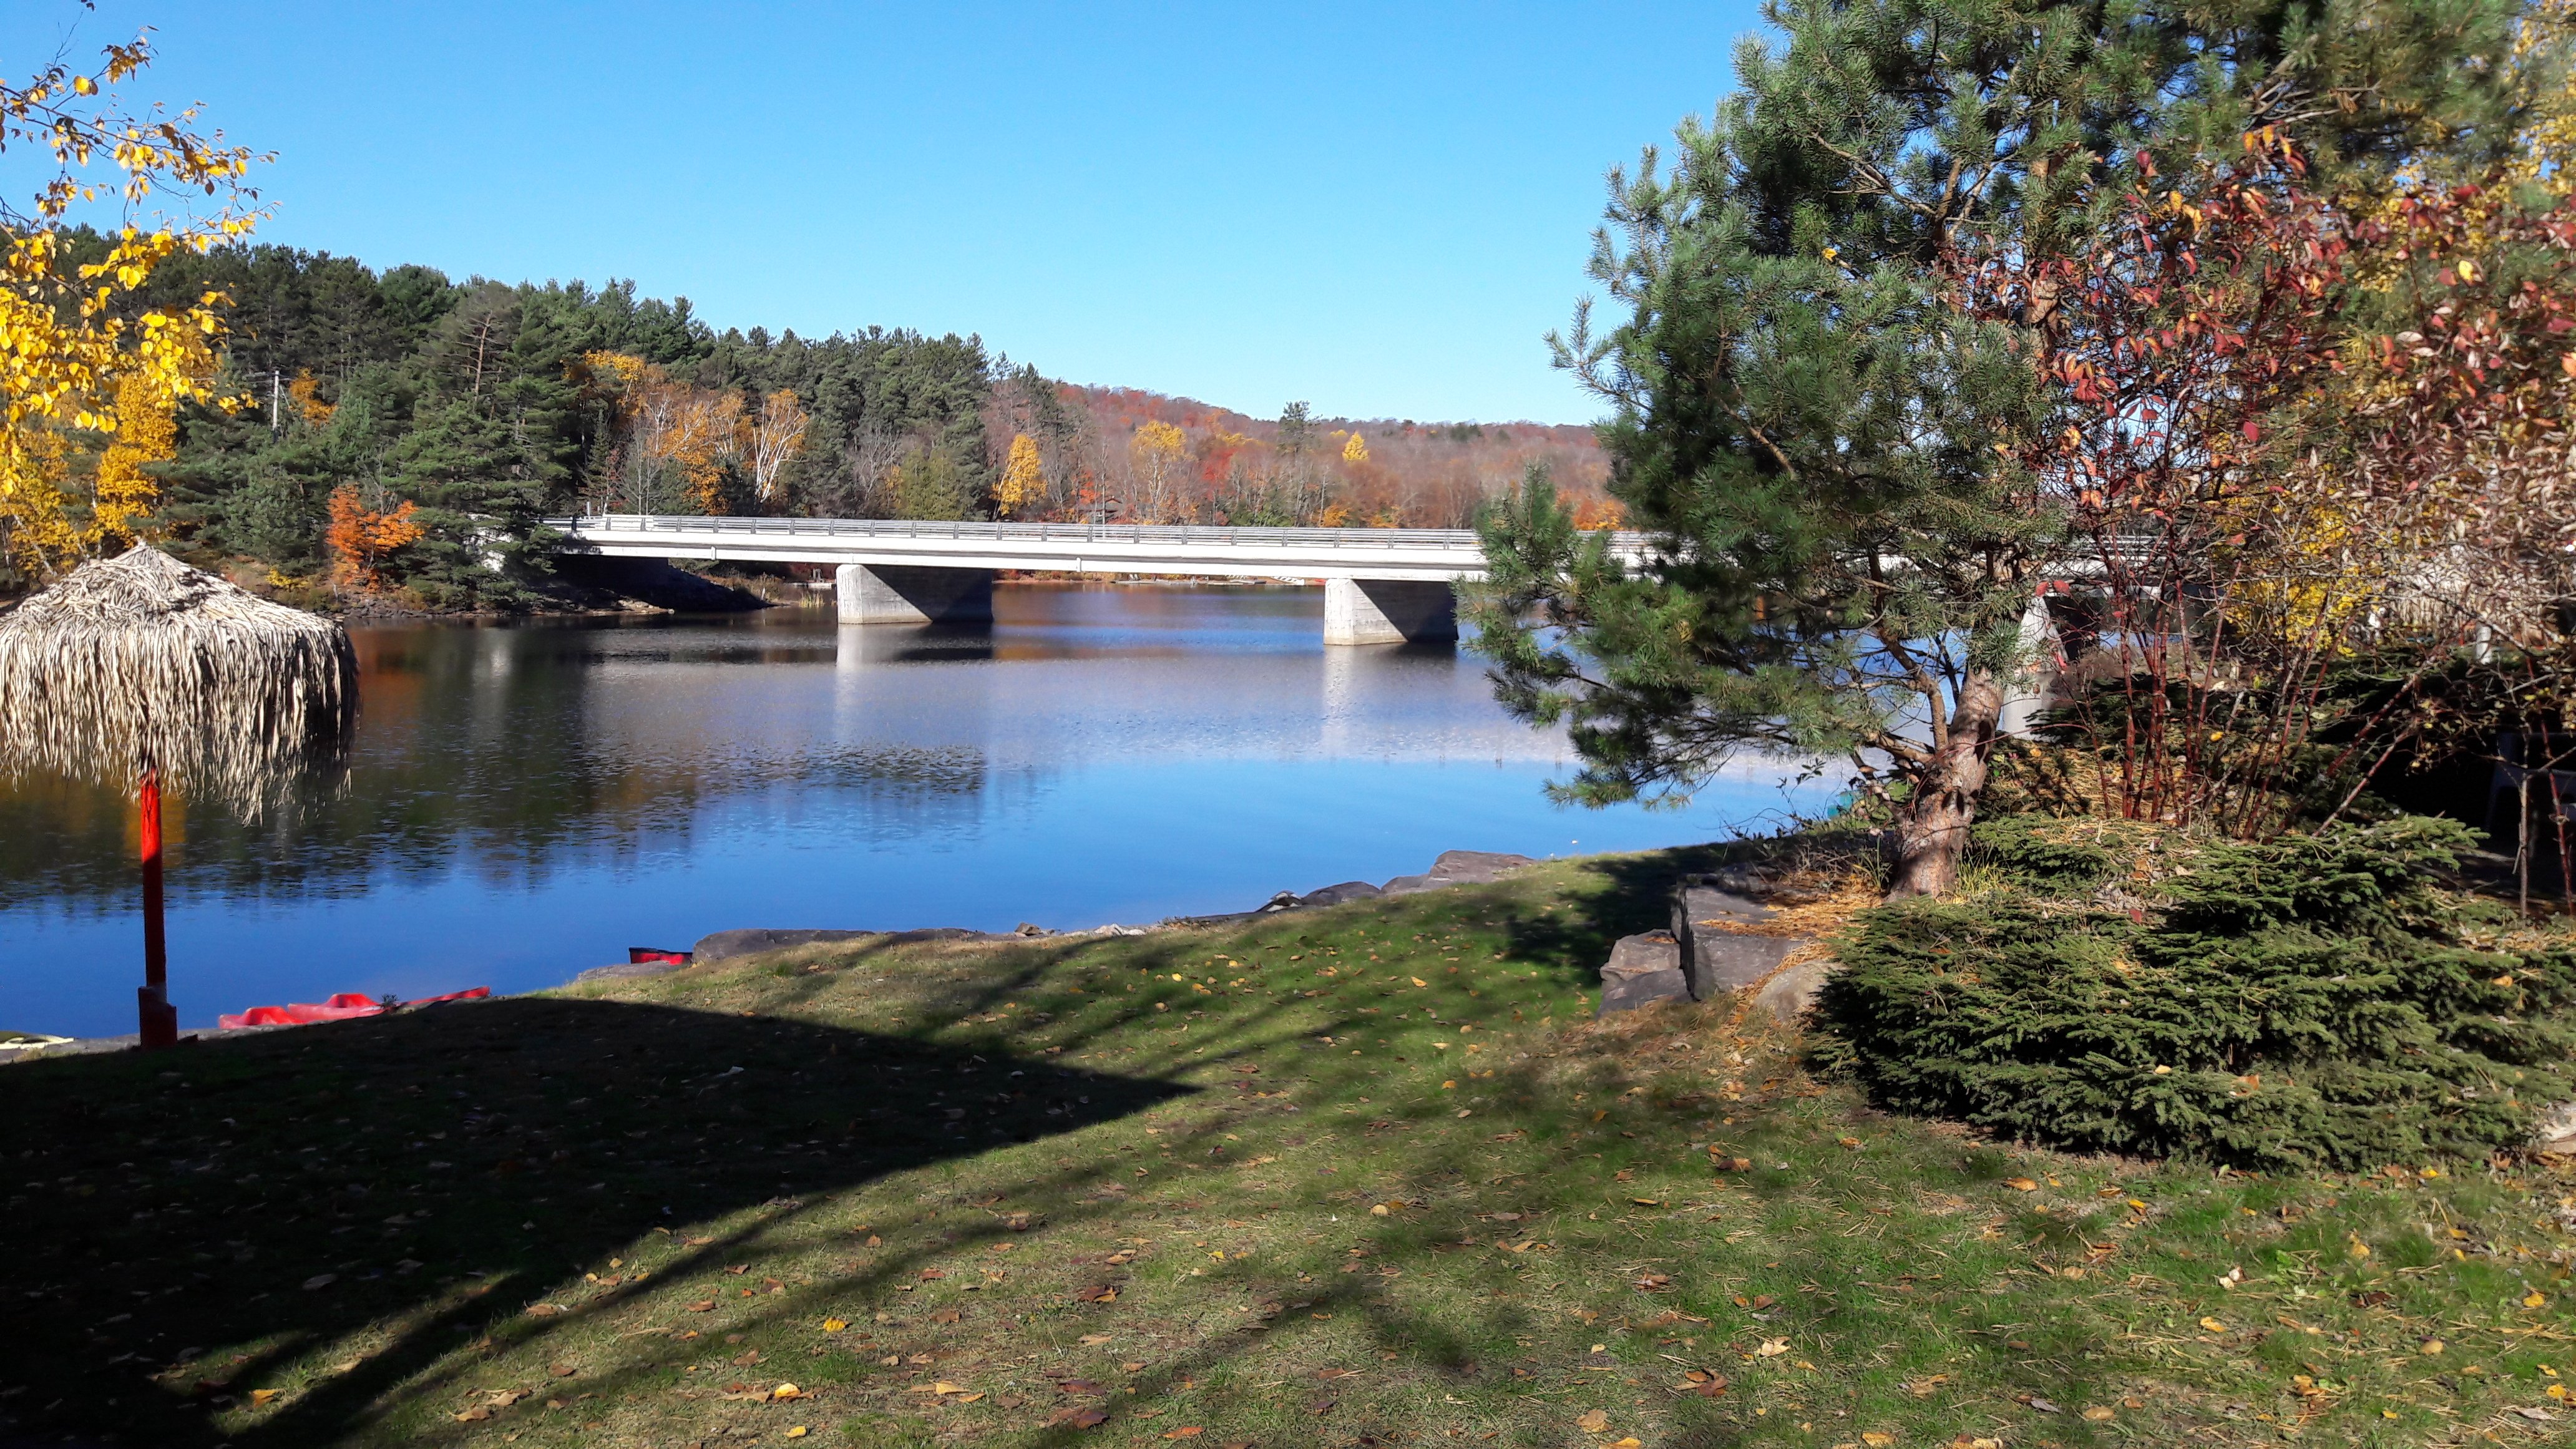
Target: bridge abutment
[[1388, 611], [891, 594]]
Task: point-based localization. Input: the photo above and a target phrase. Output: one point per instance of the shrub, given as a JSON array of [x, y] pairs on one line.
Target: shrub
[[2304, 1002]]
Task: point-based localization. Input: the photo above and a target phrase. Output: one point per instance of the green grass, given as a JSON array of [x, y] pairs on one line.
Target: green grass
[[1364, 1175]]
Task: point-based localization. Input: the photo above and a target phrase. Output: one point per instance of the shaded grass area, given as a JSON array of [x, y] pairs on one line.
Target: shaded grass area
[[1364, 1175]]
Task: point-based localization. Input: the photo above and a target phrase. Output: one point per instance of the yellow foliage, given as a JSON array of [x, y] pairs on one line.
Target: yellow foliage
[[1159, 439], [1356, 450], [71, 359], [123, 492], [663, 425], [1333, 515], [1023, 481], [313, 409]]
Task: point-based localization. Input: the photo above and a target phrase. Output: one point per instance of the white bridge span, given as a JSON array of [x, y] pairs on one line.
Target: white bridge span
[[1381, 585]]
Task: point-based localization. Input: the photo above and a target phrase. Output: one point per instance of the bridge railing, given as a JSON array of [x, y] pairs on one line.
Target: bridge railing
[[1631, 545], [1192, 535]]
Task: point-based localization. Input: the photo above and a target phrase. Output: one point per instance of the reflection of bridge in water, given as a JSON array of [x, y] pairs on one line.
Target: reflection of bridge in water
[[1381, 585]]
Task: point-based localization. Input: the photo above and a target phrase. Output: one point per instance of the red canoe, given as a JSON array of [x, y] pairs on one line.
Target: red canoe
[[342, 1007]]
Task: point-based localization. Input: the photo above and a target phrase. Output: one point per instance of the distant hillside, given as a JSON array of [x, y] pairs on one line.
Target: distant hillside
[[1286, 469]]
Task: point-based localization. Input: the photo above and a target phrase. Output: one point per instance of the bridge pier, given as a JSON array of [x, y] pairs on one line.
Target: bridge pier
[[891, 594], [1388, 611], [2027, 693]]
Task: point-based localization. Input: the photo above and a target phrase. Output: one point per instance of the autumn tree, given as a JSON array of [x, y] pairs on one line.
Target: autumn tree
[[364, 532], [2215, 584], [82, 356], [674, 438], [123, 494], [777, 431], [1155, 452], [1023, 481], [1803, 420]]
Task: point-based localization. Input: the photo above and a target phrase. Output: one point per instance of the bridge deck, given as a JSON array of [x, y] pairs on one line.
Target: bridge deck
[[1103, 548]]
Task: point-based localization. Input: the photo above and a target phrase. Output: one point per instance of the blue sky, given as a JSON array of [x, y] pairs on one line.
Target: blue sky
[[1381, 209]]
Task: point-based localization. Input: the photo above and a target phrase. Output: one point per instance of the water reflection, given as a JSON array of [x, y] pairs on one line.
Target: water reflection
[[526, 800]]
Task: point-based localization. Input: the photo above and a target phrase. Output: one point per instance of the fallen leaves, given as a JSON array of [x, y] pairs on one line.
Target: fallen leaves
[[320, 1280], [2021, 1184], [1186, 1431], [1655, 1283], [1876, 1439], [1097, 1293], [784, 1392], [1772, 1348], [1592, 1421], [703, 1305], [835, 1325], [1701, 1382], [2212, 1325], [1077, 1419]]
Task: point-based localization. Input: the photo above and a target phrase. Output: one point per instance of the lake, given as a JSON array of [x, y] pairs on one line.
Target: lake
[[530, 799]]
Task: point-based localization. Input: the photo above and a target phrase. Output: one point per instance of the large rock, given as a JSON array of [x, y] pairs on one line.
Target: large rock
[[1715, 958], [1788, 995], [2555, 1131], [1458, 867], [1642, 970]]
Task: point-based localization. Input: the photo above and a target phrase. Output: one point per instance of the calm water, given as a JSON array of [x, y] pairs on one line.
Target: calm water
[[530, 800]]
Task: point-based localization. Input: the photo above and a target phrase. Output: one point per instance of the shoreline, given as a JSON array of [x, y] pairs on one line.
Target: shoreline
[[1450, 868]]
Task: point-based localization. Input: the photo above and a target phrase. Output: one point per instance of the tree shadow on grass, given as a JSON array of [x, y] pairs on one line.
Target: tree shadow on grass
[[397, 1188]]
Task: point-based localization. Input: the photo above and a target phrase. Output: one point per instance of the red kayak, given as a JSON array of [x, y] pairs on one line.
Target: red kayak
[[342, 1007]]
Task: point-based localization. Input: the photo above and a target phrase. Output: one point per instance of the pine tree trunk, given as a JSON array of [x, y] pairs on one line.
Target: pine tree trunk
[[1932, 829]]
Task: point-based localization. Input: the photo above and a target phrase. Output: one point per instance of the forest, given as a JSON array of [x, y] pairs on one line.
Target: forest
[[399, 436]]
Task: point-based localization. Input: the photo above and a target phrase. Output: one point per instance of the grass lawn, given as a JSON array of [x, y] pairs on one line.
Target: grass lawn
[[1359, 1176]]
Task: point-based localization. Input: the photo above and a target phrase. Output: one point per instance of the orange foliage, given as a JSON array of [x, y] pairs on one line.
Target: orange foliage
[[1596, 511], [361, 536]]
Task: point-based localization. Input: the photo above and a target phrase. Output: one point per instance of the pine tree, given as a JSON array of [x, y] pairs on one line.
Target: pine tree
[[1805, 423]]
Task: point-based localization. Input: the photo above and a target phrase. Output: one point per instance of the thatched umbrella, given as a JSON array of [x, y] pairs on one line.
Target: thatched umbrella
[[145, 674]]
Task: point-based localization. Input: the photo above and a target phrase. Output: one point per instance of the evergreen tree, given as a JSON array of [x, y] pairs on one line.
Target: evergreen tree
[[1804, 424]]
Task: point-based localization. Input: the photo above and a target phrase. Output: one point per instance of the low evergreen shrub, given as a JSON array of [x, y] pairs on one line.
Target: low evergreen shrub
[[2306, 1002]]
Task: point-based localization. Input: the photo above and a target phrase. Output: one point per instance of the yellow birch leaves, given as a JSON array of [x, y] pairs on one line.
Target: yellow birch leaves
[[76, 357], [1023, 481]]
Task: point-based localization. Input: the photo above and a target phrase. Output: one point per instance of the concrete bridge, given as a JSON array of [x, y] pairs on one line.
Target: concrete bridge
[[1381, 585]]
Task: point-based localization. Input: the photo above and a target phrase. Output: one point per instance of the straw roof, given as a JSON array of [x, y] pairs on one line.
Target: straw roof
[[142, 658]]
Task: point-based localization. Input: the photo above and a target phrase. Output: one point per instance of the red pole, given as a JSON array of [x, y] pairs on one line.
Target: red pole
[[160, 1021]]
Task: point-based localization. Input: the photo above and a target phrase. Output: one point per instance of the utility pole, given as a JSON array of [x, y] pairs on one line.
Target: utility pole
[[276, 389]]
